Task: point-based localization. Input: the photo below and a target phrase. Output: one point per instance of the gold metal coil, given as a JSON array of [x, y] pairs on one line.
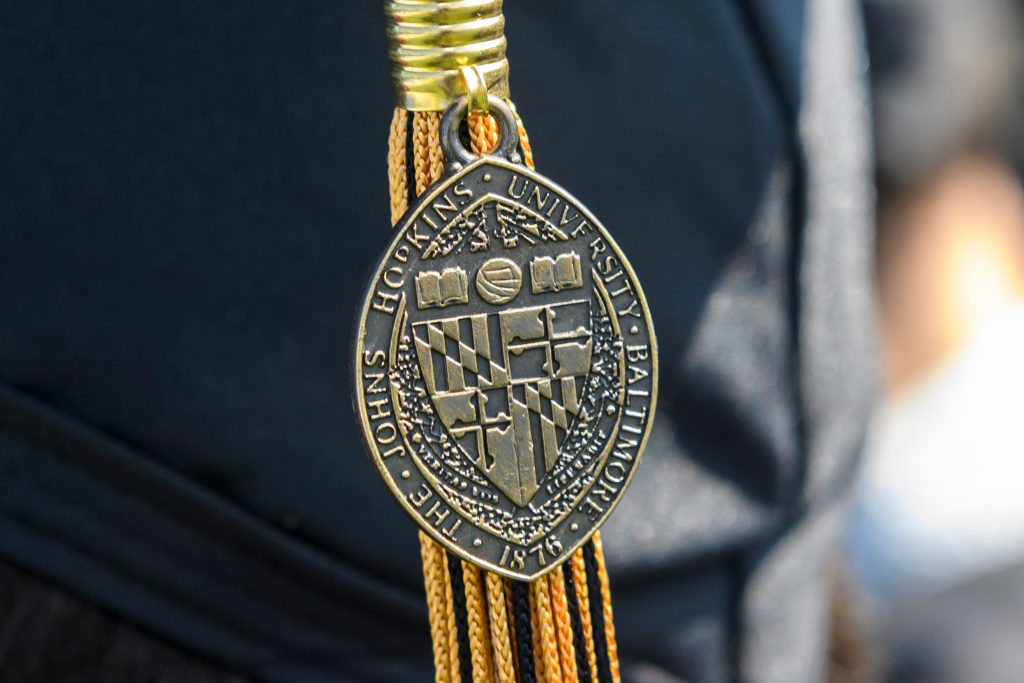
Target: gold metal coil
[[430, 40]]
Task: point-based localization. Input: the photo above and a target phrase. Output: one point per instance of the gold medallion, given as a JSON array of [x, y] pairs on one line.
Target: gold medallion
[[505, 362]]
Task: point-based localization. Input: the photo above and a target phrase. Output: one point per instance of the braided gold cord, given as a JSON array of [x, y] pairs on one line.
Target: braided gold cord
[[490, 617], [563, 624], [483, 132], [501, 637], [545, 626], [421, 150], [437, 604], [536, 632], [579, 575], [476, 613], [524, 139], [434, 148], [606, 608], [397, 183], [428, 166]]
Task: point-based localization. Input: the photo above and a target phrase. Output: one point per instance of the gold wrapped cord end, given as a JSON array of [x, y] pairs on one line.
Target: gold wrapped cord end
[[430, 40]]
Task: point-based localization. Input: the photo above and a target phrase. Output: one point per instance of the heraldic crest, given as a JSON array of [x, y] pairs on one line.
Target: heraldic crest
[[506, 368]]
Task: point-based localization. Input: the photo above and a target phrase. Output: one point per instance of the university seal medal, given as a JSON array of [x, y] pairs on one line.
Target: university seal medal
[[505, 361]]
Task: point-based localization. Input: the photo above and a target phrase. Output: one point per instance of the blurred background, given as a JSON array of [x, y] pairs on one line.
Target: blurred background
[[936, 542]]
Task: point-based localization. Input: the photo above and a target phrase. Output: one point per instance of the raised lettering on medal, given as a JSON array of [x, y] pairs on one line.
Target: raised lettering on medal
[[506, 368]]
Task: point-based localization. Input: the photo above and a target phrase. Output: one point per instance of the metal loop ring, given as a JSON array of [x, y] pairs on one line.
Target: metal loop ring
[[457, 154]]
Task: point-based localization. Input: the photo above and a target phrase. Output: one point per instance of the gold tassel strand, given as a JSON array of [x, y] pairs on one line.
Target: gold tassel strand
[[544, 626], [483, 133], [436, 159], [501, 636], [476, 614], [437, 604], [524, 139], [537, 632], [428, 167], [606, 608], [425, 130], [563, 625], [397, 175]]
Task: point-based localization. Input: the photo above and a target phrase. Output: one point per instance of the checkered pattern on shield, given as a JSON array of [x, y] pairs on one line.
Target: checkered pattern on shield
[[506, 386]]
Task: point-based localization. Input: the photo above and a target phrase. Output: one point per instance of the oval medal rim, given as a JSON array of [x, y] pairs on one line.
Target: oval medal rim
[[357, 366]]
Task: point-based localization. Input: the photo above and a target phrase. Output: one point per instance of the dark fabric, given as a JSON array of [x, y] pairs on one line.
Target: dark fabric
[[48, 636], [192, 193]]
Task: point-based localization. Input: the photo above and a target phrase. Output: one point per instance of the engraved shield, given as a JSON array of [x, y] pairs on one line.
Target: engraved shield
[[507, 385], [506, 368]]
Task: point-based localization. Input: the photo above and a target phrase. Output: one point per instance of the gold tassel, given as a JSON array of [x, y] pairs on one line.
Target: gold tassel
[[563, 625], [544, 630], [476, 608], [437, 604], [397, 182], [501, 634], [489, 613], [606, 609]]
